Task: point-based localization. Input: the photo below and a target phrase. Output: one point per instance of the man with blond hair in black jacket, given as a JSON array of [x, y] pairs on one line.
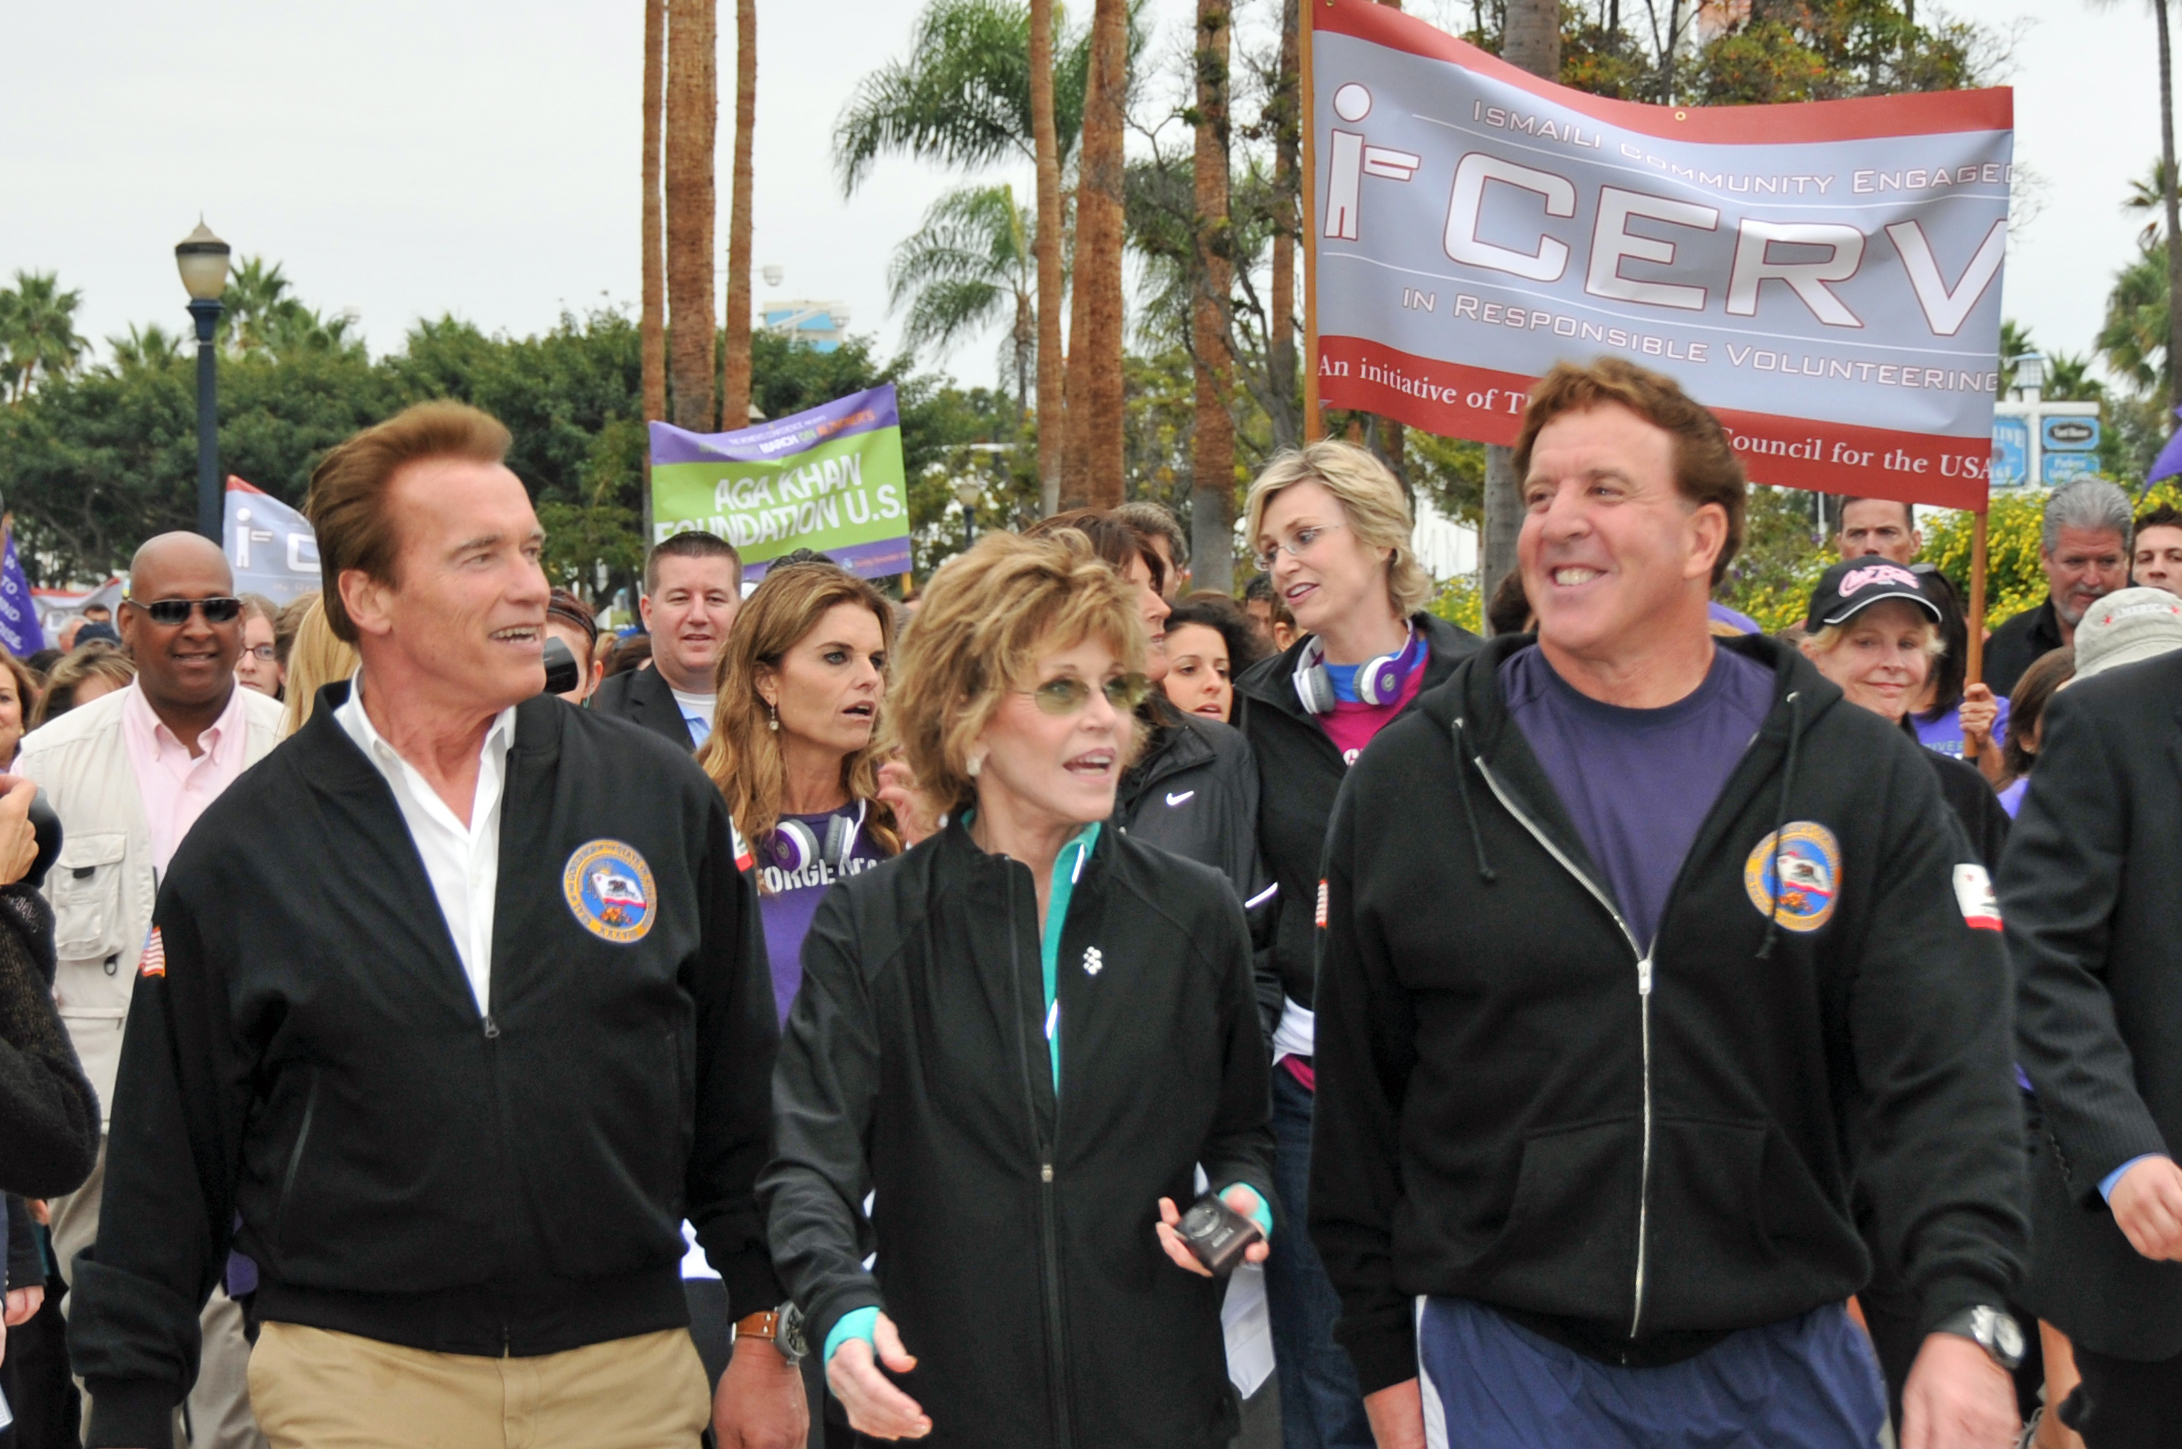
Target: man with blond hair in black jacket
[[1683, 947]]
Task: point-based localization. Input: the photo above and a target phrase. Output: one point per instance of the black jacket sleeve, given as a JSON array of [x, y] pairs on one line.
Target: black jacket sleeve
[[1365, 1052], [172, 1151], [1260, 896], [1240, 1146], [26, 1265], [51, 1115], [823, 1094], [737, 1039], [1930, 1024], [2060, 886]]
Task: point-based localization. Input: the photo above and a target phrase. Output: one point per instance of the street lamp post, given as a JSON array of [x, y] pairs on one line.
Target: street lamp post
[[202, 259], [967, 492]]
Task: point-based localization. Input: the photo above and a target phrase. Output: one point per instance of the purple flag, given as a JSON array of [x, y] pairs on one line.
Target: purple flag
[[2169, 461], [19, 629]]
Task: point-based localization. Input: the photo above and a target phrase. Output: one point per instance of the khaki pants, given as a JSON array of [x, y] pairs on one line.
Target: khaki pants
[[316, 1389], [219, 1404]]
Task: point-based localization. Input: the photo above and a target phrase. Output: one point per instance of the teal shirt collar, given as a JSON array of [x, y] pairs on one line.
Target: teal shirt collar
[[1067, 869]]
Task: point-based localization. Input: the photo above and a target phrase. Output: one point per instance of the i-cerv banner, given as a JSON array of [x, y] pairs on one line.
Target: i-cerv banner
[[828, 479], [1825, 277]]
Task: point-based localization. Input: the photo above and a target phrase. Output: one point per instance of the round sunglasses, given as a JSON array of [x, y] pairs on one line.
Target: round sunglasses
[[1065, 694]]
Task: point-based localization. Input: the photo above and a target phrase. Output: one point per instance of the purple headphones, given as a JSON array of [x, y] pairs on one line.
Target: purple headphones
[[1378, 681]]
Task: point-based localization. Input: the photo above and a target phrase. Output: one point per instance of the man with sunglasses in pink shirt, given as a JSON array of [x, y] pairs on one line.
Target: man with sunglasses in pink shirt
[[128, 774]]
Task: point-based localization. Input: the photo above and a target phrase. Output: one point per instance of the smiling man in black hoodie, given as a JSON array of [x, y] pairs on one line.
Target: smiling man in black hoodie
[[1681, 947]]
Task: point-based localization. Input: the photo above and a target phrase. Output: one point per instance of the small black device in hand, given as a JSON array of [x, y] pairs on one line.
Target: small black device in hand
[[47, 827], [562, 671], [1217, 1234]]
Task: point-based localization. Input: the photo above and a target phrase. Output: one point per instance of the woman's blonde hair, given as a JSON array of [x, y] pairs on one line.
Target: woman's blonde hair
[[986, 618], [743, 754], [1377, 510], [97, 660], [316, 659]]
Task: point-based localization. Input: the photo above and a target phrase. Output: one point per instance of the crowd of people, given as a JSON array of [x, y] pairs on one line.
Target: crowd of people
[[824, 1020]]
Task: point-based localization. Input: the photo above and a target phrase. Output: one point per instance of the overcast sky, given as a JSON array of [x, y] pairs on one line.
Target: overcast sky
[[414, 157]]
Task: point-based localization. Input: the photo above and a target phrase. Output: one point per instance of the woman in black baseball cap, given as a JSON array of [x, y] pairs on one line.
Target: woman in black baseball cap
[[1875, 632]]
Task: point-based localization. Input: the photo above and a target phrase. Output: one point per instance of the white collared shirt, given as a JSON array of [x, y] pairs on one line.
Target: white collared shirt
[[461, 861]]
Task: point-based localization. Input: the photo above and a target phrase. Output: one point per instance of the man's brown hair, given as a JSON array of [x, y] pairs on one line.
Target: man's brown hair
[[348, 502], [1706, 469]]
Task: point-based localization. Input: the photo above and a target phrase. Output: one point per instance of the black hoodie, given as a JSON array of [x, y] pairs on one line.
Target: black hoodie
[[1634, 1153], [1299, 770]]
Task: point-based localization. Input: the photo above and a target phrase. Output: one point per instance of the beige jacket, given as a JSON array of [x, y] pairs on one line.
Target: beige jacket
[[102, 887]]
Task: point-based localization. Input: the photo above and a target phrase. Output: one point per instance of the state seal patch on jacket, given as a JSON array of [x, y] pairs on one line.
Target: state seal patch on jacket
[[610, 891], [1805, 871]]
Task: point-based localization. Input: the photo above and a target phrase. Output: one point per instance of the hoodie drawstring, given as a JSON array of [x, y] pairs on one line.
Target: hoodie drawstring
[[1462, 792], [1780, 821]]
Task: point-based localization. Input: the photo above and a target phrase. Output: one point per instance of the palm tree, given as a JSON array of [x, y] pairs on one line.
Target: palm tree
[[1046, 148], [735, 364], [2136, 336], [693, 114], [987, 81], [1283, 115], [654, 317], [146, 349], [38, 328], [965, 268], [1212, 433], [1091, 467], [2168, 202], [257, 291]]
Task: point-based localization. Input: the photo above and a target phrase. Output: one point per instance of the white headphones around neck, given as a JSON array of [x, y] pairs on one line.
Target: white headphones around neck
[[795, 846], [1378, 681]]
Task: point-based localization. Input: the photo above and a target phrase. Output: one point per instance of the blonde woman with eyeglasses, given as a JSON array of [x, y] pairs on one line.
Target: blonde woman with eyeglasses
[[1024, 1035], [1331, 529]]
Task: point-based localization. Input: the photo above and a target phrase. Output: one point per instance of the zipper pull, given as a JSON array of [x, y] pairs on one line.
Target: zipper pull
[[1644, 977], [492, 1029]]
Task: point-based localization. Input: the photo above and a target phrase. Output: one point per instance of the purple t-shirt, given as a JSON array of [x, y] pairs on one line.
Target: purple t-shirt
[[789, 898], [1638, 783]]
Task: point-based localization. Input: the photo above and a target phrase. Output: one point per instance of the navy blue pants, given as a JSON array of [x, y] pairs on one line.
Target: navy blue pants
[[1806, 1383], [1320, 1405]]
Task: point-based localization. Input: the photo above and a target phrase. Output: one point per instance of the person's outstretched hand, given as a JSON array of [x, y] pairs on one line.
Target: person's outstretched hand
[[18, 840], [875, 1406]]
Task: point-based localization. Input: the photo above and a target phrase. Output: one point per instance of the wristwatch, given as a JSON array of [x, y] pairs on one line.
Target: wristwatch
[[1990, 1329], [782, 1327]]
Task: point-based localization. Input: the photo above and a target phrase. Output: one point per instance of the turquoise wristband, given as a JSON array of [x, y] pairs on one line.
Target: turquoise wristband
[[1259, 1212], [860, 1323]]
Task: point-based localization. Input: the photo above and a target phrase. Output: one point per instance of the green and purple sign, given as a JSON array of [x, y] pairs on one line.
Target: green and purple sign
[[829, 479]]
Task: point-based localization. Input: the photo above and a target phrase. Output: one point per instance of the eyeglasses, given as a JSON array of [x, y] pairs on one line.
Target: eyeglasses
[[1066, 694], [1295, 545], [263, 653], [170, 612]]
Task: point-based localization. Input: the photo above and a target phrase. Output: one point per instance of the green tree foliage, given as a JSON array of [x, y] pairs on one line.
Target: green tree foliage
[[961, 96], [99, 458], [2014, 578], [38, 340], [968, 266]]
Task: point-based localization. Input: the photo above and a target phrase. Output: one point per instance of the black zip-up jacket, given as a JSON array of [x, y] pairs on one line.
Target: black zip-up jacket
[[1636, 1149], [407, 1169], [1014, 1230], [1194, 791], [1299, 772]]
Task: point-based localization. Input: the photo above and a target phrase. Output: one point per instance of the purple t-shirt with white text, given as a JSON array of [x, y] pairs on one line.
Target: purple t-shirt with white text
[[1638, 783], [789, 899]]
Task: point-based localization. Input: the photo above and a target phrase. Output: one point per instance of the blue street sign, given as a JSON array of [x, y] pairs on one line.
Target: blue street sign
[[2071, 435], [2011, 453], [2059, 468]]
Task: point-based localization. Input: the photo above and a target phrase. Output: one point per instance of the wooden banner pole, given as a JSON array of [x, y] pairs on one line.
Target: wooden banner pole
[[1314, 422], [1975, 672]]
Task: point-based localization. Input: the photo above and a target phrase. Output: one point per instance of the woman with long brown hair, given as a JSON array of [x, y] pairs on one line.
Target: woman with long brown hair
[[800, 685]]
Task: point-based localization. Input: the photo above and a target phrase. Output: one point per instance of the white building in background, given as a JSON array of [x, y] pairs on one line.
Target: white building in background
[[1445, 548]]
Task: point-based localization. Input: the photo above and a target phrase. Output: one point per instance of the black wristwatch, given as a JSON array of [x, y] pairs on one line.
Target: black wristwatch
[[1990, 1329]]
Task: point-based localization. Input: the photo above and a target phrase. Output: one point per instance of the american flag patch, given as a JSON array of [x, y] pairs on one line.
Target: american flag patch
[[154, 960], [1322, 905], [744, 857]]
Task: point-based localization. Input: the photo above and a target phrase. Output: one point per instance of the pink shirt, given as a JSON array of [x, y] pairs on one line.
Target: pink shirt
[[176, 786], [1353, 724]]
